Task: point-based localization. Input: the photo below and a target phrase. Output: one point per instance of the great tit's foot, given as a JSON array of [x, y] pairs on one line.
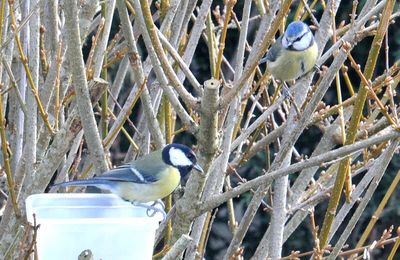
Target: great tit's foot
[[158, 202], [150, 209], [153, 210]]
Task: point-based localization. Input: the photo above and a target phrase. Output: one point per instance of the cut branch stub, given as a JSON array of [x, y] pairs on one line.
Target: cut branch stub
[[209, 118]]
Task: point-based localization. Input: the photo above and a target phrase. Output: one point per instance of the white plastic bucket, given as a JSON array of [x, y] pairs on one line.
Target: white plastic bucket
[[110, 227]]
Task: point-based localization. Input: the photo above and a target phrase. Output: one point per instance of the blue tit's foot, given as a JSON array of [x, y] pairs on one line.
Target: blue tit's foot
[[150, 209], [286, 93]]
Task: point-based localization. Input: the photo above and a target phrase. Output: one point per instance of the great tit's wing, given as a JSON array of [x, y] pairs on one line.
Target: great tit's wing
[[127, 173], [274, 51], [145, 169], [123, 173]]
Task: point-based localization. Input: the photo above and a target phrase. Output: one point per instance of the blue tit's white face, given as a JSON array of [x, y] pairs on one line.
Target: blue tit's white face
[[298, 36]]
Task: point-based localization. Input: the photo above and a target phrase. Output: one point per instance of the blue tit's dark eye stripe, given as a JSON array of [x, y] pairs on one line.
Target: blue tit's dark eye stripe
[[301, 36]]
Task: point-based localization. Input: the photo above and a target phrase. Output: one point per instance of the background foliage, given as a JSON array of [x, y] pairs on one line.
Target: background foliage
[[174, 107]]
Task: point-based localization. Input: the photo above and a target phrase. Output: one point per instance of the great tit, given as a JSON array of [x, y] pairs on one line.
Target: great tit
[[293, 54], [149, 178]]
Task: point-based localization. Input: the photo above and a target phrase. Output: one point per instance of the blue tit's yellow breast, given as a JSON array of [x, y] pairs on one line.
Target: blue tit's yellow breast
[[291, 65]]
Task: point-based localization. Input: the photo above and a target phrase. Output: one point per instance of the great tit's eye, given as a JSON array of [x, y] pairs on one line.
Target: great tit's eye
[[190, 156]]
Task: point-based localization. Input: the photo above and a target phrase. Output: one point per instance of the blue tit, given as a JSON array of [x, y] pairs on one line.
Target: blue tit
[[149, 178], [293, 54]]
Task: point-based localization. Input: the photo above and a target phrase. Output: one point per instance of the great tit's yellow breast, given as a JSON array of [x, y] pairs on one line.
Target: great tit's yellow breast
[[168, 180], [291, 65]]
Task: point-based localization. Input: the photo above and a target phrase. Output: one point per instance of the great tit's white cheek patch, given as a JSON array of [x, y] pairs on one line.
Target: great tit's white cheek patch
[[178, 158]]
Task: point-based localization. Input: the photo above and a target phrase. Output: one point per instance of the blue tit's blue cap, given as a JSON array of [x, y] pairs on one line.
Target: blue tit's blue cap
[[295, 29]]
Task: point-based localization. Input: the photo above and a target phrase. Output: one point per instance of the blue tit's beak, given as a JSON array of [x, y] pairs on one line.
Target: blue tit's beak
[[198, 168]]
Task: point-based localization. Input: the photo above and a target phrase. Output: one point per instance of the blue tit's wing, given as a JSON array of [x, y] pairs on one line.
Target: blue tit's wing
[[275, 50]]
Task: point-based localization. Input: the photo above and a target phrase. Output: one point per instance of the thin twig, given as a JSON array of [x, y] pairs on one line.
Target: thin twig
[[24, 61]]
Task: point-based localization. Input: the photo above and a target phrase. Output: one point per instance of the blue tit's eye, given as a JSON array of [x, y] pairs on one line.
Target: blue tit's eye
[[300, 37]]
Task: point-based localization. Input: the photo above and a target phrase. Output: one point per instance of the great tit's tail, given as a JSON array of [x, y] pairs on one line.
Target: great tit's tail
[[89, 182]]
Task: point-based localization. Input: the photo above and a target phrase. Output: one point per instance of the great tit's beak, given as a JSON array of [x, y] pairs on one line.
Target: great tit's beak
[[198, 168]]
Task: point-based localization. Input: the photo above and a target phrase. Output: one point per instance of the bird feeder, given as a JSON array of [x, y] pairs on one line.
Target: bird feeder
[[108, 226]]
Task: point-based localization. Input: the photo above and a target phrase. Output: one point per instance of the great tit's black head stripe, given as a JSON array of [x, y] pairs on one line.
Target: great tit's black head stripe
[[137, 174], [179, 156], [165, 155]]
